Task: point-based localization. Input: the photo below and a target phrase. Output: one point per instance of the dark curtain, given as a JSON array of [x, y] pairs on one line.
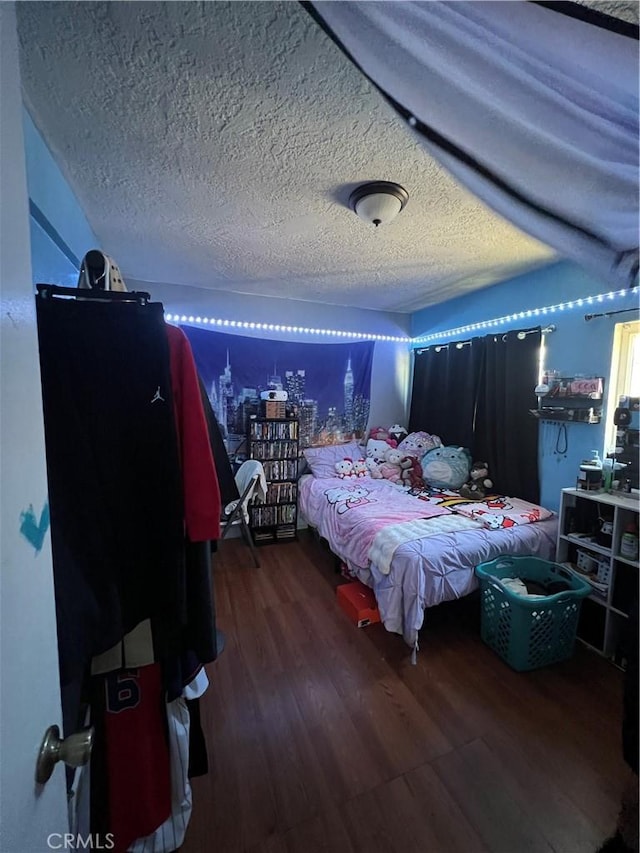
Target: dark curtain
[[506, 436], [445, 383]]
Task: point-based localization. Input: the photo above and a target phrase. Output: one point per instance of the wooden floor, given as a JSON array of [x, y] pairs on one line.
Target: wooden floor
[[323, 737]]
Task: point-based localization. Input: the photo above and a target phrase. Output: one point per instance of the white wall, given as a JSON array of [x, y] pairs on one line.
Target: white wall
[[390, 372], [29, 682]]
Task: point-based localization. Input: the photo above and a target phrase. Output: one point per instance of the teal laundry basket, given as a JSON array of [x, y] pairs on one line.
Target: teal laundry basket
[[528, 633]]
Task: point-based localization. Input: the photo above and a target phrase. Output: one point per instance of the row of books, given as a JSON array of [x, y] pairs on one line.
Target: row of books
[[280, 492], [266, 534], [274, 430], [263, 516], [274, 449], [285, 469]]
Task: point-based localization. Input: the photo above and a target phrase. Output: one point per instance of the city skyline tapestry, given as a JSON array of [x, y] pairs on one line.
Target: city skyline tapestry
[[328, 385]]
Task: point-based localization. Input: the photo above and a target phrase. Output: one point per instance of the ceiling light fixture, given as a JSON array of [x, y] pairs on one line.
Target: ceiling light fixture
[[378, 202]]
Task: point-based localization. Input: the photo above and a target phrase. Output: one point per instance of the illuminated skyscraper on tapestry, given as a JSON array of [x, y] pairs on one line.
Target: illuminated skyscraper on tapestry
[[348, 396], [328, 385]]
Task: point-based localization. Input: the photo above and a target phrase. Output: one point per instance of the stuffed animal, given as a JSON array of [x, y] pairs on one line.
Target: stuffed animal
[[360, 468], [390, 468], [379, 433], [475, 487], [411, 472], [419, 443], [344, 468], [446, 467], [397, 432], [373, 469], [376, 448]]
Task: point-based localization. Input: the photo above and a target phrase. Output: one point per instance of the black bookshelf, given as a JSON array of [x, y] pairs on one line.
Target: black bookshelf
[[275, 443]]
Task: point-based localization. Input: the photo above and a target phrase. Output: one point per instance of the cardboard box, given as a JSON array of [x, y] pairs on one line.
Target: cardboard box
[[275, 409], [359, 603]]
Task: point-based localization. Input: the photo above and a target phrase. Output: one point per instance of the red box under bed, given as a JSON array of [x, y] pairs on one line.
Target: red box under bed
[[359, 603]]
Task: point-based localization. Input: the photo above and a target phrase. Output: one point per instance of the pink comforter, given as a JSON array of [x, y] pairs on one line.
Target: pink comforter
[[358, 509]]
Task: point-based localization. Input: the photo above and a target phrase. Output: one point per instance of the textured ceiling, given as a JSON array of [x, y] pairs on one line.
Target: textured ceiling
[[215, 144], [625, 10]]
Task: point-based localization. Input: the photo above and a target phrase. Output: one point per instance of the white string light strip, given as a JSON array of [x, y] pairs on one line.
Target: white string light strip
[[526, 315], [461, 330], [277, 327]]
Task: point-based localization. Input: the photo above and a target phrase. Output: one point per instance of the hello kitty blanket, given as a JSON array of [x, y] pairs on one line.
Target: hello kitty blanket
[[351, 512], [493, 511], [408, 573]]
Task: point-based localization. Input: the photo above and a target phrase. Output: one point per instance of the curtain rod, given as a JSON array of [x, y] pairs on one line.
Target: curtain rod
[[588, 317], [547, 330]]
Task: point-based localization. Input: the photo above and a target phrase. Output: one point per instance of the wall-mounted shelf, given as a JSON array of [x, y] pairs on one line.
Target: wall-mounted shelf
[[575, 388], [583, 415], [570, 398]]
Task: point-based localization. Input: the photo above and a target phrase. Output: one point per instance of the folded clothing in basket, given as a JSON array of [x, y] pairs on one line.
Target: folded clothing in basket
[[518, 587], [534, 589]]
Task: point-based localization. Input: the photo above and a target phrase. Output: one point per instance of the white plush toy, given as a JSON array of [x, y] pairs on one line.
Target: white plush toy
[[360, 468], [344, 468], [373, 468], [376, 448]]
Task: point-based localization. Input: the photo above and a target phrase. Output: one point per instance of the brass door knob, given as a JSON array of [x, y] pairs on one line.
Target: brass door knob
[[74, 750]]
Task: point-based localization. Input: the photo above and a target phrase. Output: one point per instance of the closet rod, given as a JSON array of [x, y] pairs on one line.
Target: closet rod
[[46, 291]]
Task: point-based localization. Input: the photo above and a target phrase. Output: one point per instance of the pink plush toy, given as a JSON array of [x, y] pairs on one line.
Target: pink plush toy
[[344, 468], [390, 468], [379, 433], [418, 443]]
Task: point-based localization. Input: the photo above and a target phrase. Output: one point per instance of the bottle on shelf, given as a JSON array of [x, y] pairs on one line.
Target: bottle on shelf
[[590, 476], [629, 541]]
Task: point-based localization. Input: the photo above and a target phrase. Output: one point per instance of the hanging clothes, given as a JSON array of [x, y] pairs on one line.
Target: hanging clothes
[[202, 517], [202, 523], [135, 504], [201, 490], [114, 476], [169, 836], [130, 763], [228, 487]]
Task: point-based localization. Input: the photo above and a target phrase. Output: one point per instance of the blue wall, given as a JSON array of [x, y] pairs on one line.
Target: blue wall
[[60, 232], [61, 235], [575, 347]]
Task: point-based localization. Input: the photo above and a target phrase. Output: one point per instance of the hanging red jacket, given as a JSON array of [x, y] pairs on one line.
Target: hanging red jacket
[[201, 491]]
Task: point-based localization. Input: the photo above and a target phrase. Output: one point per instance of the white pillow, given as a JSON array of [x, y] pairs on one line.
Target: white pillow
[[322, 460]]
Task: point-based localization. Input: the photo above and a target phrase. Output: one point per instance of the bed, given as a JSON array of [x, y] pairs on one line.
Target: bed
[[418, 547]]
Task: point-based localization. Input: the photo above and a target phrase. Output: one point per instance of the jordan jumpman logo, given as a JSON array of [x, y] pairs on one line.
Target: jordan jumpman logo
[[157, 397]]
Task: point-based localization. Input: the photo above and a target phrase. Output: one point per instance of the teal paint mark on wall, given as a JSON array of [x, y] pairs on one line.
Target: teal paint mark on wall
[[33, 530]]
